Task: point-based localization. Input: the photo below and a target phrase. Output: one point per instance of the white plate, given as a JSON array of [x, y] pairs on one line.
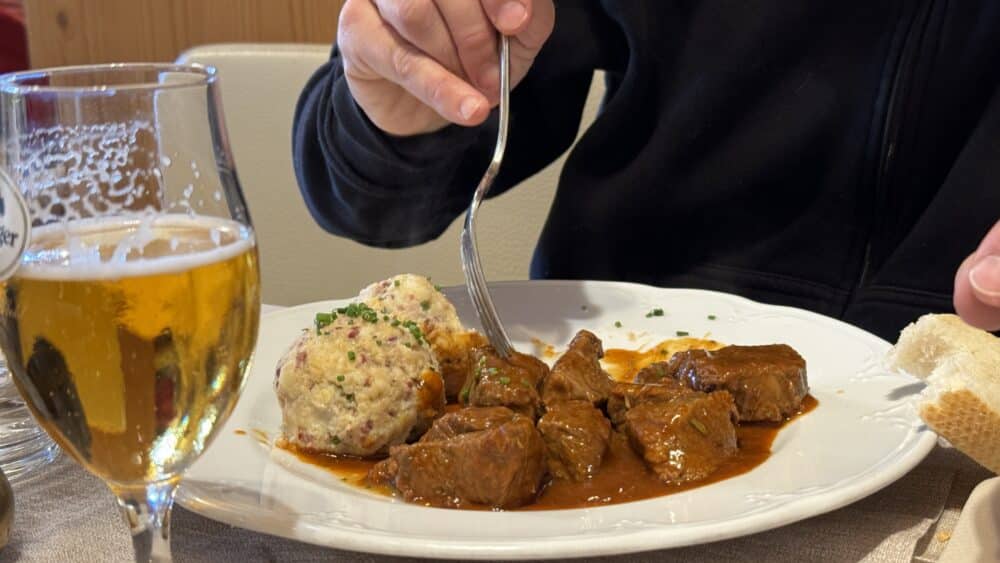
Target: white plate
[[864, 435]]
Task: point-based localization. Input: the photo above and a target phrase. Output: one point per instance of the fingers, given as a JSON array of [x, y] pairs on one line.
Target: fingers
[[977, 284], [475, 40], [985, 279], [984, 274], [420, 23], [509, 16], [474, 34], [399, 54], [534, 21], [378, 51]]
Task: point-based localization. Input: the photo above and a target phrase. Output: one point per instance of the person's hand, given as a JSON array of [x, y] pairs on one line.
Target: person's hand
[[415, 65], [977, 284]]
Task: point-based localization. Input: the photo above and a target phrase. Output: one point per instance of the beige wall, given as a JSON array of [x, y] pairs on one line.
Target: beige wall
[[67, 32]]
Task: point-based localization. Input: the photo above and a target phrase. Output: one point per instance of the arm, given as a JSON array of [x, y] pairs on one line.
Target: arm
[[386, 190]]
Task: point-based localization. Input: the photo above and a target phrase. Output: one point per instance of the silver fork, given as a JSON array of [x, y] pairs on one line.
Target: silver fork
[[475, 280]]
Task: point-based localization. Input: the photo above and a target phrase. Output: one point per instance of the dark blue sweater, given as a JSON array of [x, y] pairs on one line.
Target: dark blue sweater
[[842, 156]]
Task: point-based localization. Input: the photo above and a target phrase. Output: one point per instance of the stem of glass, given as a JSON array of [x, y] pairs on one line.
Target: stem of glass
[[147, 512]]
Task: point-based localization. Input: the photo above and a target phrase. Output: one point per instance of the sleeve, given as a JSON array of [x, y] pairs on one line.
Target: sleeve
[[392, 192]]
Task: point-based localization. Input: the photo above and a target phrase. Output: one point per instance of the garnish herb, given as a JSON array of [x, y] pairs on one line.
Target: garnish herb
[[655, 313], [395, 283], [425, 305], [340, 378], [504, 380], [349, 397], [324, 319], [618, 324], [682, 333], [711, 317], [698, 426], [415, 331], [351, 355], [335, 440]]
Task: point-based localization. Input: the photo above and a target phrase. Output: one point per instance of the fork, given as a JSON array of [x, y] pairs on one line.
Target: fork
[[475, 280]]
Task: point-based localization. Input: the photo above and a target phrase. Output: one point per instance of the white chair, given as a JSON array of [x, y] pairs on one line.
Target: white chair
[[260, 84]]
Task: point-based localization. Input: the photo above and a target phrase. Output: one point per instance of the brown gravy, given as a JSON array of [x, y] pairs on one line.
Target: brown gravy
[[622, 365], [623, 476]]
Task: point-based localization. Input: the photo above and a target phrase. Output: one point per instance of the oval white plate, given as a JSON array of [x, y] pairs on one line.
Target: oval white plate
[[864, 435]]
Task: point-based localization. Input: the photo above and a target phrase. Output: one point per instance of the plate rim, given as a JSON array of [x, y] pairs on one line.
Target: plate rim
[[872, 480]]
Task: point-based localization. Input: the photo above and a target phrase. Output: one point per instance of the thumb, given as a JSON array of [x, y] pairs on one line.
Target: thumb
[[977, 284], [984, 276]]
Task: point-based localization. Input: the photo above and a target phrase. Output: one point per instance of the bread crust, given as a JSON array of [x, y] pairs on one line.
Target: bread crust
[[968, 423], [961, 365]]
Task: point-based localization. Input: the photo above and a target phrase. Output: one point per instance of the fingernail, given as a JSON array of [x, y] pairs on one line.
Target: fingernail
[[468, 107], [511, 15], [489, 78], [985, 277]]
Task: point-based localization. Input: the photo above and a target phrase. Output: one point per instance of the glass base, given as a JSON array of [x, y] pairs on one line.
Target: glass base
[[24, 446]]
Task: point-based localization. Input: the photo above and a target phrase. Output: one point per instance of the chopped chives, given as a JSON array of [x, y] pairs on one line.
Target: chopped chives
[[323, 319], [698, 426], [351, 355], [682, 333]]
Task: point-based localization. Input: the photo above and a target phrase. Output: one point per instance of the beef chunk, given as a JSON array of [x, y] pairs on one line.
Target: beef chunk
[[767, 382], [627, 395], [658, 372], [467, 420], [686, 438], [576, 436], [578, 375], [513, 384], [501, 466]]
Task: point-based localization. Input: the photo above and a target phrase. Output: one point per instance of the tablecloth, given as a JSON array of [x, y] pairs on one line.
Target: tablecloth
[[63, 514]]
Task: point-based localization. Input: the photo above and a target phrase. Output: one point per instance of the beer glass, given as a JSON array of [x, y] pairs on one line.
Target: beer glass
[[129, 323]]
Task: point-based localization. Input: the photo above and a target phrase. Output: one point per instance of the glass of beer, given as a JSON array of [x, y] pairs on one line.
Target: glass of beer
[[129, 322]]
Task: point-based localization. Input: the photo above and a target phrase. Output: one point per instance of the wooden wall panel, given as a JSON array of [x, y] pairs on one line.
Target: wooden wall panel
[[65, 32]]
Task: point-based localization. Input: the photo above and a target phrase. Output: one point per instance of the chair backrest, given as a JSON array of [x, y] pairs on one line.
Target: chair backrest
[[260, 84]]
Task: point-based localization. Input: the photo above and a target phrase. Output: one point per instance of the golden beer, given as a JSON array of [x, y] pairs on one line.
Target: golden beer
[[130, 339]]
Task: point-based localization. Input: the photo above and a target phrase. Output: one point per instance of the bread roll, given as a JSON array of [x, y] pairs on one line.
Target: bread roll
[[961, 366]]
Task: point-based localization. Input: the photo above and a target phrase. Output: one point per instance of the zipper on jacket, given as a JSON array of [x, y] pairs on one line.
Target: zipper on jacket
[[890, 131]]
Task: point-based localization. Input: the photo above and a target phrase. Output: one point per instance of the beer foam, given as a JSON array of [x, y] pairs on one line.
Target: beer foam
[[107, 248]]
